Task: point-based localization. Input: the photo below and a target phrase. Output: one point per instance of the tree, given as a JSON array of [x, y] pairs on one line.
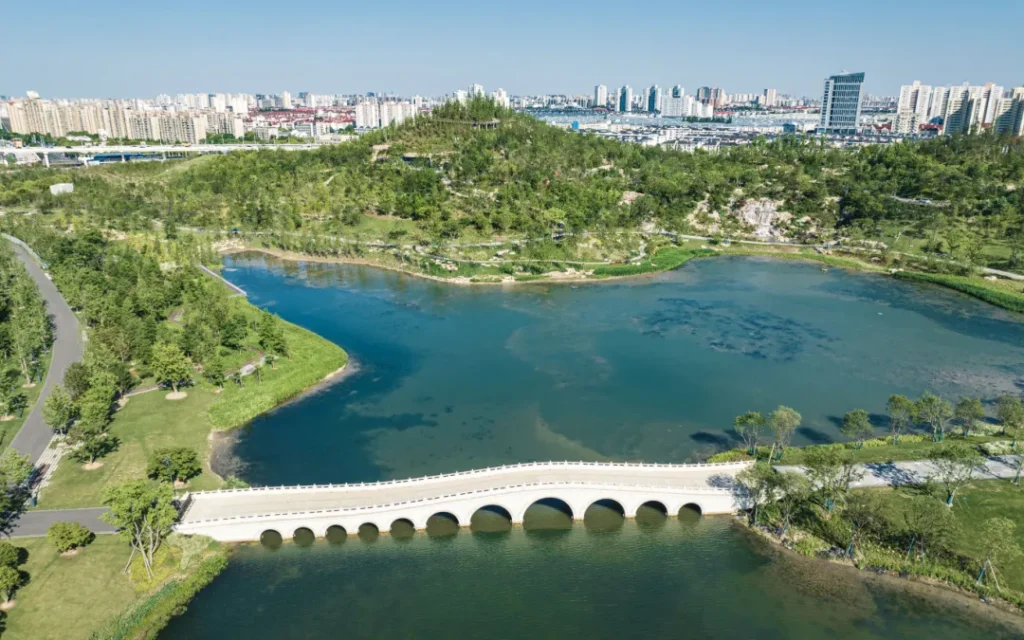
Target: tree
[[67, 536], [271, 360], [757, 480], [10, 555], [857, 426], [954, 466], [213, 370], [271, 335], [236, 377], [901, 414], [90, 442], [928, 525], [58, 410], [94, 408], [10, 580], [783, 422], [171, 366], [1000, 545], [233, 331], [791, 489], [144, 513], [865, 516], [76, 380], [832, 472], [1011, 414], [935, 412], [749, 427], [174, 464], [967, 412]]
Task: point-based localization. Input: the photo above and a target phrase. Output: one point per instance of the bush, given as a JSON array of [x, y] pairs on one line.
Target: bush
[[10, 555], [172, 464], [66, 536], [911, 438], [809, 546], [874, 443], [998, 448], [733, 455]]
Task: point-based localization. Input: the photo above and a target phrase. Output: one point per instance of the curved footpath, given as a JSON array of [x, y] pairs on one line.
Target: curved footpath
[[34, 436]]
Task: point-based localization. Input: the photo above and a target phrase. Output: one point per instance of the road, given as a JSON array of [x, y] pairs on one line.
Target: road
[[913, 472], [35, 523], [34, 436]]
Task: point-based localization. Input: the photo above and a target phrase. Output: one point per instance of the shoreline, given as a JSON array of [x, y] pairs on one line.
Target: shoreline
[[932, 588], [997, 297]]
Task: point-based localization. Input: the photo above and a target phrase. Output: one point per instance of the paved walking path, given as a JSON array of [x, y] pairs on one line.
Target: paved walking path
[[35, 523], [34, 436], [911, 472]]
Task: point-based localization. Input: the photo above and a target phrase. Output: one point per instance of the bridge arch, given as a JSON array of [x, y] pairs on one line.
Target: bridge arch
[[544, 513], [690, 512], [605, 514], [443, 524], [271, 539], [402, 529], [369, 532], [491, 518], [303, 537], [336, 534]]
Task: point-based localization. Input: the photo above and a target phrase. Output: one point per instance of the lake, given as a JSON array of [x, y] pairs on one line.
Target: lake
[[655, 369]]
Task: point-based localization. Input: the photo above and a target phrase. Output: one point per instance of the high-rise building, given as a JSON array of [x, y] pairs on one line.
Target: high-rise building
[[678, 91], [286, 100], [600, 96], [501, 97], [367, 115], [913, 107], [654, 99], [770, 98], [840, 103], [626, 99], [476, 90], [1009, 115]]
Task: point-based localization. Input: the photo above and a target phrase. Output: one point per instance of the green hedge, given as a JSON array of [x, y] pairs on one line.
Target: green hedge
[[149, 615], [970, 286]]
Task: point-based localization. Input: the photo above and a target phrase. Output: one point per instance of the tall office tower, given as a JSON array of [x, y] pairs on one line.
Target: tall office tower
[[912, 109], [501, 97], [990, 97], [938, 103], [476, 90], [1009, 115], [654, 99], [771, 98], [956, 117], [678, 91], [286, 100], [600, 96], [626, 99], [704, 94], [840, 103]]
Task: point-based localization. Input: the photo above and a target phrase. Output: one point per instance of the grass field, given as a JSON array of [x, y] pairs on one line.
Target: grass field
[[976, 503], [149, 421], [60, 601]]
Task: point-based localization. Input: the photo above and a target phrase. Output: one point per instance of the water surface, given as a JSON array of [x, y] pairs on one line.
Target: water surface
[[655, 369]]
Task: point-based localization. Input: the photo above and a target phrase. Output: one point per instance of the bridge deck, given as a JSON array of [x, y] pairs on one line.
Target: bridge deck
[[262, 501]]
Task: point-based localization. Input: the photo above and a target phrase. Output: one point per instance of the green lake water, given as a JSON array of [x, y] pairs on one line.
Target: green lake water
[[449, 378]]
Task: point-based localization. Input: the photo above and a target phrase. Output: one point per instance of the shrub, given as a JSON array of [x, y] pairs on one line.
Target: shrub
[[809, 546], [912, 438], [874, 443], [998, 448], [172, 464], [10, 555], [66, 536], [733, 455]]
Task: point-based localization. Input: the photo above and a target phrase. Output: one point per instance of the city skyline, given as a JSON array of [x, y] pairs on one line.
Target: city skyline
[[431, 50]]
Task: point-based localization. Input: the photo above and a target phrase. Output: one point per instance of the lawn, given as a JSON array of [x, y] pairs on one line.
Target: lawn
[[976, 503], [149, 421], [60, 601]]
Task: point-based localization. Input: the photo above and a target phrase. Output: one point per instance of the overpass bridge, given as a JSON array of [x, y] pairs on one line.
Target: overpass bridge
[[125, 152], [236, 515]]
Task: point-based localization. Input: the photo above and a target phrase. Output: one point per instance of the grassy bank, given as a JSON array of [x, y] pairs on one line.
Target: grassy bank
[[149, 421], [994, 292]]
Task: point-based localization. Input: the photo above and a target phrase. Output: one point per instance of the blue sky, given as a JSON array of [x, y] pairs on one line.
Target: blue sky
[[123, 49]]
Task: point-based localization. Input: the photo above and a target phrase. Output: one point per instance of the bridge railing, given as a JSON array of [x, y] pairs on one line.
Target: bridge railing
[[484, 471], [452, 496]]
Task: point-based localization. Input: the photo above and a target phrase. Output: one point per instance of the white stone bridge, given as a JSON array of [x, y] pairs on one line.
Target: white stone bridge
[[246, 514]]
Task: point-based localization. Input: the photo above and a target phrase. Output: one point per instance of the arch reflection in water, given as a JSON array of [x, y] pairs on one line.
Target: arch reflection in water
[[690, 513], [604, 515], [304, 537], [651, 515], [442, 525], [368, 532], [548, 514], [402, 529], [271, 539], [336, 534], [491, 519]]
